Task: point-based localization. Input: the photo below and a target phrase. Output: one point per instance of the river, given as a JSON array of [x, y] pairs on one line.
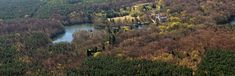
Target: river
[[70, 30]]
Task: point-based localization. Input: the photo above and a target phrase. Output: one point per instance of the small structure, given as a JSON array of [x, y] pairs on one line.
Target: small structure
[[161, 18]]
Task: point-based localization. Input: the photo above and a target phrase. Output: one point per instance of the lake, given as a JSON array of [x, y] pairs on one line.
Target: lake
[[70, 30], [233, 21]]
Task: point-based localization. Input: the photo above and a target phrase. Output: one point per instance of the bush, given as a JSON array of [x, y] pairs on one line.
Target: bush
[[10, 66], [24, 41], [63, 48], [13, 69]]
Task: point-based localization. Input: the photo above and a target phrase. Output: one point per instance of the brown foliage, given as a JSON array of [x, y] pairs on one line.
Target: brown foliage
[[205, 11], [209, 38], [184, 49], [85, 39], [51, 28]]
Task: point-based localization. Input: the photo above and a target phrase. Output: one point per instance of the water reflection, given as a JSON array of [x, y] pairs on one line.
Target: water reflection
[[69, 30]]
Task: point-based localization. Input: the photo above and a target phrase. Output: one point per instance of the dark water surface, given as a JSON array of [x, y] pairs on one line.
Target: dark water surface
[[70, 30]]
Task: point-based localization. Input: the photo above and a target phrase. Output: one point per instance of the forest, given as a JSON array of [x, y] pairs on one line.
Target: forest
[[131, 37]]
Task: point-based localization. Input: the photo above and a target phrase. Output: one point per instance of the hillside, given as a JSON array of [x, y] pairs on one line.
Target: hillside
[[130, 37], [45, 8], [18, 8]]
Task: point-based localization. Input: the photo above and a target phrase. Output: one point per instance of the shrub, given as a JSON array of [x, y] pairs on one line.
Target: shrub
[[13, 69]]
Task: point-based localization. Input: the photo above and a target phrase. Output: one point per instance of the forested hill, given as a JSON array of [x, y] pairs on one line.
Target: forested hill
[[130, 38], [11, 9], [18, 8]]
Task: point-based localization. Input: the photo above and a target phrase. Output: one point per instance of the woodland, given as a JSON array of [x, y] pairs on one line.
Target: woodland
[[178, 38]]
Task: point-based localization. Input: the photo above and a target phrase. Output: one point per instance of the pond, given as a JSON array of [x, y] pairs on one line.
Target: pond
[[70, 30], [232, 22]]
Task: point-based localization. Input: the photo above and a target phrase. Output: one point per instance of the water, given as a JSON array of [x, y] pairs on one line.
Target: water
[[233, 22], [70, 30]]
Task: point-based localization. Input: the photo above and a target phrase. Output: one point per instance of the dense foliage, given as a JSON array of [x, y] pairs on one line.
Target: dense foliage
[[217, 62], [18, 8], [51, 28], [174, 39], [15, 50], [64, 7], [117, 66], [31, 54]]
